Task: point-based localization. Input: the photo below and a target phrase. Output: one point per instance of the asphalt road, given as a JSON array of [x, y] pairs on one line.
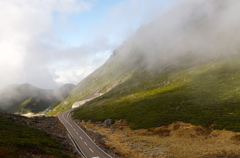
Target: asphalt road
[[83, 142]]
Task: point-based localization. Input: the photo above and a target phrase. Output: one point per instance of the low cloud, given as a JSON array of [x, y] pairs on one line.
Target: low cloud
[[32, 52], [204, 29], [25, 25], [127, 16]]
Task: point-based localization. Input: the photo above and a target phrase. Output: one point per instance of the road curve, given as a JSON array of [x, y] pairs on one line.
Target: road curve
[[82, 141]]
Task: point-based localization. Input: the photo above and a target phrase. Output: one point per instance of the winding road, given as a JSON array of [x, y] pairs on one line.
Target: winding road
[[84, 144]]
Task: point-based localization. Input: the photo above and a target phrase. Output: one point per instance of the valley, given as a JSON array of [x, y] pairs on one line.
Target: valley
[[169, 87]]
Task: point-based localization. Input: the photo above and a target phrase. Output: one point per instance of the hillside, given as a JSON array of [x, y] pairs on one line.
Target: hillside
[[24, 98], [202, 93], [114, 72], [182, 66], [205, 94], [20, 140]]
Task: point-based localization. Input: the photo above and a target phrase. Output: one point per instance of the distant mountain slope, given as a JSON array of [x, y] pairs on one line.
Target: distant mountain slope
[[26, 98]]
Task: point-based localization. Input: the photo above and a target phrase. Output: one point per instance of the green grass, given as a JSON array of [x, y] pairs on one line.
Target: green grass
[[205, 94], [18, 139]]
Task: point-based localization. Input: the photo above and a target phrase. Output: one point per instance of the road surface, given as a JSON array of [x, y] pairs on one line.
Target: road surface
[[83, 142]]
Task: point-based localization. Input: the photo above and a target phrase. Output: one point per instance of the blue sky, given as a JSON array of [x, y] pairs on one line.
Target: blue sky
[[79, 28], [85, 26], [48, 43]]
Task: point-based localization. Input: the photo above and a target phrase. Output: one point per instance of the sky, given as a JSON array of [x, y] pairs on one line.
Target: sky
[[48, 43]]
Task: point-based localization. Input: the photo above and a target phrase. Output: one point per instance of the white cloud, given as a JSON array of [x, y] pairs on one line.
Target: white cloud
[[25, 22], [199, 30], [128, 15], [74, 75], [74, 64], [31, 50]]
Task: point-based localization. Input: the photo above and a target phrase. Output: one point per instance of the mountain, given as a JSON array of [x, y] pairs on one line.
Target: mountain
[[111, 74], [204, 94], [26, 98], [183, 66]]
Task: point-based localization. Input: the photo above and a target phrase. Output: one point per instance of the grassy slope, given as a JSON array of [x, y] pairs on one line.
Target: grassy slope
[[202, 94], [114, 72], [17, 139]]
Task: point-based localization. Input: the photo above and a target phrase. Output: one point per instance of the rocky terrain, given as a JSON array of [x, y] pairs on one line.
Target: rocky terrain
[[177, 140]]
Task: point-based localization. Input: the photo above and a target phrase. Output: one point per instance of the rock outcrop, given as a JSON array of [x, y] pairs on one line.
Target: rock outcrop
[[108, 122]]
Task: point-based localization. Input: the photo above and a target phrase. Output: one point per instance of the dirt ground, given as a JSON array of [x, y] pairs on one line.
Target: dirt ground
[[178, 140]]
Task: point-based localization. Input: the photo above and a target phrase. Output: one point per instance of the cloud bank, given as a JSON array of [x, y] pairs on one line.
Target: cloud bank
[[202, 29], [31, 51], [25, 25]]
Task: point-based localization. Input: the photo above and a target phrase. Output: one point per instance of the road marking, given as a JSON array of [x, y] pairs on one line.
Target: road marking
[[69, 122], [91, 139], [74, 129], [90, 150], [77, 133], [80, 151]]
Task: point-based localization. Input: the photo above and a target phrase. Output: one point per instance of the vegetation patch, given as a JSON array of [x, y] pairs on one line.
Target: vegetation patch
[[17, 139]]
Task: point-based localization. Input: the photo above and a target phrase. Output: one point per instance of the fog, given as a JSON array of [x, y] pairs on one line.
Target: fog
[[48, 43], [28, 45], [198, 28], [32, 52]]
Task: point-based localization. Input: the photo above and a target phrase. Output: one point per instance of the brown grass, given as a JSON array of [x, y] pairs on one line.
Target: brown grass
[[178, 140]]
